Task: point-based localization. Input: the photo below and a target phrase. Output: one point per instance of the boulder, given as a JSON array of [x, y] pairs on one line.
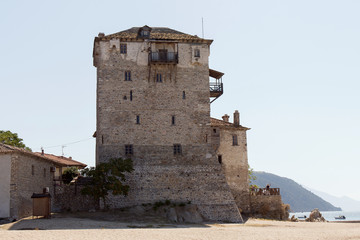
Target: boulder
[[294, 219], [171, 215], [182, 214], [315, 216], [189, 214]]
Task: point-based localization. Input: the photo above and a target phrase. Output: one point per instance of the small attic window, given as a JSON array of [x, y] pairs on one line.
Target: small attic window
[[145, 33]]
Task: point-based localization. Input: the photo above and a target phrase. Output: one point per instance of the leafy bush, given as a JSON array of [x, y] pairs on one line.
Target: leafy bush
[[108, 176], [69, 174]]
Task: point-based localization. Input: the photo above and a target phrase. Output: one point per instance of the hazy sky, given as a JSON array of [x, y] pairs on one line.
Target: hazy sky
[[291, 69]]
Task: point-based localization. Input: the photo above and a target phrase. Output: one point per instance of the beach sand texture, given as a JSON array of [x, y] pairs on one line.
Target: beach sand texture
[[88, 229]]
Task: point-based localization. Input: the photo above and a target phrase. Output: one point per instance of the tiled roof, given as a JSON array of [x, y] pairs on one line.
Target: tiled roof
[[156, 33], [61, 160], [218, 122], [58, 160], [221, 123], [4, 148]]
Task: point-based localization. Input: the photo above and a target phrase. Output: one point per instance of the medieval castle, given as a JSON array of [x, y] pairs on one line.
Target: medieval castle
[[153, 105]]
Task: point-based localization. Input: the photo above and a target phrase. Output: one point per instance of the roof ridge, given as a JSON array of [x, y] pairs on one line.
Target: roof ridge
[[59, 158], [224, 123], [156, 33], [13, 148], [10, 148]]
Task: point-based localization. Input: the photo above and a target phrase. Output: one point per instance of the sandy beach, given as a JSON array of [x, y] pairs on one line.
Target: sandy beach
[[66, 227]]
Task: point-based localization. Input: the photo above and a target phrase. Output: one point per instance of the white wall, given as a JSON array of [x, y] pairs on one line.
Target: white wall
[[5, 175]]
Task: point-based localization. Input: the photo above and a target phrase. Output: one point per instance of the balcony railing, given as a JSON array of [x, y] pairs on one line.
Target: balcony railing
[[216, 89], [265, 191], [163, 57]]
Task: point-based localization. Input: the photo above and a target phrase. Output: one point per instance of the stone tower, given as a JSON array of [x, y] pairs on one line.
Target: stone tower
[[153, 105]]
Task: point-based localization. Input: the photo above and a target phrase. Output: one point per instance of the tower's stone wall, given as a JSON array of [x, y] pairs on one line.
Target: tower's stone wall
[[152, 116]]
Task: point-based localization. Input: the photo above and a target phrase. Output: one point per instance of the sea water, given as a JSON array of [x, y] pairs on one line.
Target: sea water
[[330, 216]]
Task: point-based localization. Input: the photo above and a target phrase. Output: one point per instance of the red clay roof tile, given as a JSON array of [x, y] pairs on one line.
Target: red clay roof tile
[[58, 160]]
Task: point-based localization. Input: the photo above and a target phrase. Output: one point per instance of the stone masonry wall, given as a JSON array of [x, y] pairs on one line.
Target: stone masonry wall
[[5, 177], [234, 162], [268, 206], [194, 175], [28, 175], [69, 198]]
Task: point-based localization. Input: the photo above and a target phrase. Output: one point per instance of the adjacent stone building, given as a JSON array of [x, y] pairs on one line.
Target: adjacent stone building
[[62, 163], [230, 144], [153, 105], [23, 173]]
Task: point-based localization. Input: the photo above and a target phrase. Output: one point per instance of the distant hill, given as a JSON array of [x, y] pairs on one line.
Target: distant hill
[[346, 203], [299, 198]]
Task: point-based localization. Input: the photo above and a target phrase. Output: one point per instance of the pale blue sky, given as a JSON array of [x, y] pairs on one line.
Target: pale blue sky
[[291, 69]]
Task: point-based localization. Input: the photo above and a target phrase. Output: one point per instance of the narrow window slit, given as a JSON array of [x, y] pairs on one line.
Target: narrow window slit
[[158, 77], [127, 75], [220, 159]]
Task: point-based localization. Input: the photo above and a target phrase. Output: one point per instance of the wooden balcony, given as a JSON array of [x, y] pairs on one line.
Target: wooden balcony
[[216, 87], [163, 57]]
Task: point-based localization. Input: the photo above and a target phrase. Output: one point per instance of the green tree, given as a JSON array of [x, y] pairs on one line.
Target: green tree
[[252, 177], [108, 177], [69, 174], [12, 139]]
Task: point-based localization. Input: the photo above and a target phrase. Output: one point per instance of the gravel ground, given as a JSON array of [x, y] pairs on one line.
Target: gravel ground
[[70, 227]]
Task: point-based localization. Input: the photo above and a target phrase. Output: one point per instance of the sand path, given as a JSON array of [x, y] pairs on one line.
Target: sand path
[[88, 229]]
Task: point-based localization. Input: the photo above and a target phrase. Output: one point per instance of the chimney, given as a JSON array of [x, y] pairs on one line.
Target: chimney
[[226, 118], [42, 151], [70, 158], [236, 118], [101, 35]]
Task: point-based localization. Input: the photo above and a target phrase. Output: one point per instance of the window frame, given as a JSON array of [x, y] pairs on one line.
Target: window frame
[[177, 149], [123, 48], [158, 78], [235, 140], [127, 75], [196, 52], [145, 33], [129, 149]]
